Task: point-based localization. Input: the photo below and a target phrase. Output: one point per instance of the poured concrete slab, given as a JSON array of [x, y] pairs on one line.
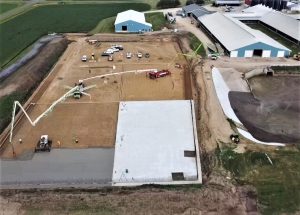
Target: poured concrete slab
[[58, 168], [151, 141]]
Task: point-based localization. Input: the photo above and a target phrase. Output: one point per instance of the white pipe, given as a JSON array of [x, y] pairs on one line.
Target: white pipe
[[33, 123], [119, 73]]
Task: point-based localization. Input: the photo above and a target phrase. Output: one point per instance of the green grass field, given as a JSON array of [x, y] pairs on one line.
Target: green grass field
[[105, 26], [194, 44], [277, 185], [157, 19], [8, 6], [23, 30]]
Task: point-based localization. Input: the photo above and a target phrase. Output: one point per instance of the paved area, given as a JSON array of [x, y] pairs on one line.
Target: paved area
[[156, 135], [59, 167]]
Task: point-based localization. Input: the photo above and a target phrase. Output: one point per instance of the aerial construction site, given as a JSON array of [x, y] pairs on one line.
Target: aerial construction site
[[198, 115]]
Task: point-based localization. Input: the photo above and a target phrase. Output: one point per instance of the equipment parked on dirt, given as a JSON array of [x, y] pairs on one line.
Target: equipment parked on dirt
[[128, 55], [110, 58], [180, 13], [44, 144], [84, 58], [159, 74], [170, 18], [147, 55], [178, 66], [116, 46], [296, 56], [235, 138], [79, 90], [139, 55]]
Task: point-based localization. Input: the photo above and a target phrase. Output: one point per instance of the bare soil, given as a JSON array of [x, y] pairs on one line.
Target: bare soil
[[272, 111], [96, 118], [213, 198]]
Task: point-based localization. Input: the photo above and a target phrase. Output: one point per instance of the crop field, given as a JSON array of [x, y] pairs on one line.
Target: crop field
[[96, 117], [54, 18]]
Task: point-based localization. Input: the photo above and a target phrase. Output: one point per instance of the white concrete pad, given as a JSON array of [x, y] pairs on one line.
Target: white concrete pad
[[150, 143]]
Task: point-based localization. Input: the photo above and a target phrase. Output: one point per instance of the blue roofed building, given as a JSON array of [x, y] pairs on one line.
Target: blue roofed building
[[131, 21]]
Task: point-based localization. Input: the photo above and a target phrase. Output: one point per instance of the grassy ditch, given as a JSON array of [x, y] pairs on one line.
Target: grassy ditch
[[4, 7], [157, 19], [293, 47], [277, 185], [54, 18], [286, 69], [194, 44], [6, 103]]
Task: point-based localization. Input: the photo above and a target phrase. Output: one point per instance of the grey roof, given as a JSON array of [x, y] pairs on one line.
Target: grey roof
[[283, 23], [200, 12], [192, 7], [234, 34]]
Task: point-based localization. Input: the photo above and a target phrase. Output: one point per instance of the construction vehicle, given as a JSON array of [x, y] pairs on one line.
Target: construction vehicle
[[78, 90], [297, 56], [159, 74], [128, 55], [110, 58], [235, 138], [139, 55], [44, 144], [147, 55], [178, 66], [84, 58], [170, 18]]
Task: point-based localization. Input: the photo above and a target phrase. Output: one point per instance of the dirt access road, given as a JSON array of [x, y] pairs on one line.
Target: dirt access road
[[96, 118]]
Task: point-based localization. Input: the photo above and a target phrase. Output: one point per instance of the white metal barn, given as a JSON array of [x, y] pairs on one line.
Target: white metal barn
[[132, 22], [239, 40]]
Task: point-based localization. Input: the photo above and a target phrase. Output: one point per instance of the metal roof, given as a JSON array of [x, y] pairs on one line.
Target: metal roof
[[193, 7], [200, 12], [234, 34], [282, 22], [131, 15]]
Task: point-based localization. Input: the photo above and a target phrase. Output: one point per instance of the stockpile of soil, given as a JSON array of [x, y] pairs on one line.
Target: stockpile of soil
[[271, 112]]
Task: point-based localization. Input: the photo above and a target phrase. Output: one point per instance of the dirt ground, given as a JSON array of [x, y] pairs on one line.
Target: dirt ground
[[96, 118], [272, 111], [213, 198]]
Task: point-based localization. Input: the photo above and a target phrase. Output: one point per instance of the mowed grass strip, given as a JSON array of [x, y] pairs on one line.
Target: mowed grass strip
[[4, 7], [22, 31]]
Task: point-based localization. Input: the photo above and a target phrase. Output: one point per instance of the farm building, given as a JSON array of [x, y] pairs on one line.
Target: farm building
[[286, 26], [132, 22], [195, 11], [227, 2], [239, 40]]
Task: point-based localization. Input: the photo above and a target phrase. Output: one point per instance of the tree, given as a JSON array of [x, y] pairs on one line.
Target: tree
[[167, 3], [200, 2]]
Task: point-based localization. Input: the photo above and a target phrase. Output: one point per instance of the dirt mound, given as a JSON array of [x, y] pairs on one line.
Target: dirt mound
[[209, 199]]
